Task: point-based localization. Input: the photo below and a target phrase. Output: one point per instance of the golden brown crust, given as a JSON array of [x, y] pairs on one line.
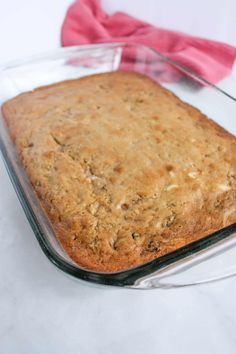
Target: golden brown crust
[[125, 170]]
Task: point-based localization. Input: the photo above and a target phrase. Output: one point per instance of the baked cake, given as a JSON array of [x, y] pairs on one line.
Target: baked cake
[[125, 170]]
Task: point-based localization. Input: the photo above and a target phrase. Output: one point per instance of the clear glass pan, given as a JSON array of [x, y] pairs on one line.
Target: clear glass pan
[[208, 259]]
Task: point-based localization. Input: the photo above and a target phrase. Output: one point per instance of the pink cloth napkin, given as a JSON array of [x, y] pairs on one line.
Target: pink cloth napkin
[[86, 22]]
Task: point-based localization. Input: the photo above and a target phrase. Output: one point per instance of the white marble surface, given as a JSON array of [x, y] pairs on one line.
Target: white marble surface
[[44, 312]]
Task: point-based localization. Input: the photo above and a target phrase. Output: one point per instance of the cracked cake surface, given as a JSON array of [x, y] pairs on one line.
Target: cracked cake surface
[[125, 170]]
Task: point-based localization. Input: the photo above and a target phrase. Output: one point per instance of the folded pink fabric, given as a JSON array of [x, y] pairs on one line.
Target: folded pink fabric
[[86, 22]]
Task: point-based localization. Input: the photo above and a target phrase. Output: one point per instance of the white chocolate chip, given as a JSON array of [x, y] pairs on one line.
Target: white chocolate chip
[[193, 174], [158, 225], [171, 186], [172, 174], [224, 187], [92, 177]]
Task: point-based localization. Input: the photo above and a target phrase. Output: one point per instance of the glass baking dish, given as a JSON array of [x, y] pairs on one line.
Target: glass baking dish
[[208, 259]]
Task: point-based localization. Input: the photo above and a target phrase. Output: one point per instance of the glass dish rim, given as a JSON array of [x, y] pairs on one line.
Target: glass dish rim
[[124, 278]]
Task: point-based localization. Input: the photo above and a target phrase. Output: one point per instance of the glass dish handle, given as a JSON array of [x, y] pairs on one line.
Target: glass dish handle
[[210, 265]]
